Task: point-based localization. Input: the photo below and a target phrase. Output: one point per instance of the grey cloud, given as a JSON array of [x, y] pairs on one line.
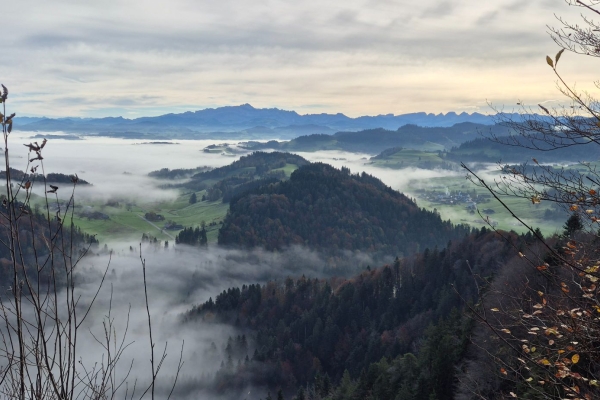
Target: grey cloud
[[439, 10], [219, 53]]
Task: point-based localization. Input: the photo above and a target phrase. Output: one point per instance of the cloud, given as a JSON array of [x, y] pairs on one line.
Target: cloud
[[355, 57]]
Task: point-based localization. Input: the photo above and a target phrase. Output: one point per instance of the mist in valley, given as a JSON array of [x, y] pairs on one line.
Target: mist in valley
[[180, 277]]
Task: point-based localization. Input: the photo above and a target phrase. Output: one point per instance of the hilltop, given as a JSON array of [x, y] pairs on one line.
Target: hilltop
[[332, 210]]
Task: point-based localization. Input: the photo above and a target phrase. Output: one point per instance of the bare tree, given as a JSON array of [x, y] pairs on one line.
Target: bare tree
[[546, 326], [41, 310]]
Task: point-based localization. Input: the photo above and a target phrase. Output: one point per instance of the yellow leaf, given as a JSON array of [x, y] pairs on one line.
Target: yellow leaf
[[591, 270], [549, 61], [575, 358], [544, 362]]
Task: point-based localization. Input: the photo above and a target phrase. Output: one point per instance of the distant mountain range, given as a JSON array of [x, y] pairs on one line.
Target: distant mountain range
[[240, 122]]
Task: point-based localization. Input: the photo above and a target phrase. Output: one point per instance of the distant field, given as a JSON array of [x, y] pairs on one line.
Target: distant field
[[412, 158], [127, 222], [288, 169], [458, 213], [406, 158]]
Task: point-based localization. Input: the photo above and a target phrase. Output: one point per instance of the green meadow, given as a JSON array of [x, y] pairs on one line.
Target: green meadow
[[126, 220]]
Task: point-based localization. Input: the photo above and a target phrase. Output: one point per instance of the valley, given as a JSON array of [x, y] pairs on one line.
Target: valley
[[302, 268], [426, 176]]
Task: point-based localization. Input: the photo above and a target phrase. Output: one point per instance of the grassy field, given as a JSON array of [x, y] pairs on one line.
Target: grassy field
[[489, 151], [126, 221], [288, 169], [532, 214], [406, 158]]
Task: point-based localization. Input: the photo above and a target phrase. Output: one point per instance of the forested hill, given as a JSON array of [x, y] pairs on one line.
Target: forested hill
[[329, 209], [386, 334], [259, 162], [249, 172], [377, 140], [522, 150]]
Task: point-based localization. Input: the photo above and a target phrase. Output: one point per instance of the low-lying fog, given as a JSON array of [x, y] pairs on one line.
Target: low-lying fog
[[177, 278], [119, 167]]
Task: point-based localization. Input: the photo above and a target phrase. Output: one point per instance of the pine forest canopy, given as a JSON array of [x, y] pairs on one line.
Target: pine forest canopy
[[333, 210]]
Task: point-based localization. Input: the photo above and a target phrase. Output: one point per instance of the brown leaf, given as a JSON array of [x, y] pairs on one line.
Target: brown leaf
[[558, 55]]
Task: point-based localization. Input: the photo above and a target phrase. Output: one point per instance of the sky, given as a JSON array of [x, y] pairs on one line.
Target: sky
[[359, 57]]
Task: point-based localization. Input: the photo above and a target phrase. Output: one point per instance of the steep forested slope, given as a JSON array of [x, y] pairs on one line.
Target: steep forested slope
[[392, 333], [330, 209], [36, 235]]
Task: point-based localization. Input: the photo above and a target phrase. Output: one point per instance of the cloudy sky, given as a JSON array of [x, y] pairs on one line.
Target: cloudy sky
[[358, 57]]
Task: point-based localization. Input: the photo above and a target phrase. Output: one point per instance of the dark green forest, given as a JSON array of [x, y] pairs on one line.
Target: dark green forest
[[52, 177], [522, 149], [377, 140], [396, 332], [332, 210], [248, 172], [34, 232]]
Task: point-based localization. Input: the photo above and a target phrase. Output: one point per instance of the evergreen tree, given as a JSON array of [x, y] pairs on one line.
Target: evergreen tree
[[572, 225]]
